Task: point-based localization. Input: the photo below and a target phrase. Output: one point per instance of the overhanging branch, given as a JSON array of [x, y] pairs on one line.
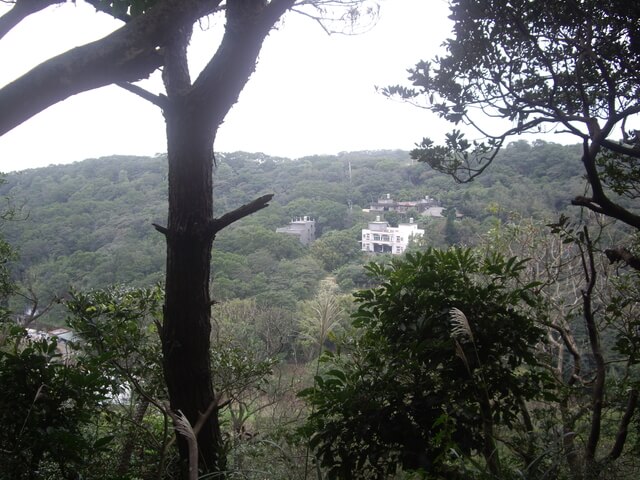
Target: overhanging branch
[[157, 100], [218, 86], [102, 7], [129, 54]]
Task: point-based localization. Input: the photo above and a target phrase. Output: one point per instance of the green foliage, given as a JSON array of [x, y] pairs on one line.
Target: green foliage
[[118, 334], [620, 172], [239, 372], [88, 225], [7, 287], [526, 62], [408, 392], [266, 331], [570, 67], [298, 278], [48, 398], [335, 249], [46, 404], [456, 155], [251, 342], [247, 240], [321, 318], [592, 331], [329, 214], [353, 276], [7, 253], [451, 235], [118, 327]]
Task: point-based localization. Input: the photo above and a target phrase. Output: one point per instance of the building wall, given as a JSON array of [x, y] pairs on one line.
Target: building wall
[[303, 227], [381, 238]]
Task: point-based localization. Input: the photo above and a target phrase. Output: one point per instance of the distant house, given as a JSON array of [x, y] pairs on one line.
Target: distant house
[[434, 212], [64, 336], [382, 238], [302, 227], [388, 204]]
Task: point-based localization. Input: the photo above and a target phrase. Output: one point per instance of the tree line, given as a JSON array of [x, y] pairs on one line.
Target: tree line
[[101, 234]]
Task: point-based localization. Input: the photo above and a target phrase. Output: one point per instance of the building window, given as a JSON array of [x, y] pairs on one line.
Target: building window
[[376, 236], [398, 249], [398, 239], [385, 238]]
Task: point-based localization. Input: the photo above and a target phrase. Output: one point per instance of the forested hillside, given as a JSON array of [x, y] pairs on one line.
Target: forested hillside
[[89, 224]]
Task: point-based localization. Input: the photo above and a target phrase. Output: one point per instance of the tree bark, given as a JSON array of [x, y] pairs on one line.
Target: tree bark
[[186, 329], [623, 427], [599, 202], [489, 447]]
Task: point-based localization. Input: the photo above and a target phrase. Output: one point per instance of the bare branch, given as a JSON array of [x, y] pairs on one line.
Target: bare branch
[[161, 229], [570, 344], [21, 10], [158, 100], [183, 427], [241, 212]]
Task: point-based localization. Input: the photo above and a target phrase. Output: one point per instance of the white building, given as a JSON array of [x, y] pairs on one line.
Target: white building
[[381, 238], [64, 336]]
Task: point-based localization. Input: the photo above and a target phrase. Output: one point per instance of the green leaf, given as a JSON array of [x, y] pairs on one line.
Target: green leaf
[[103, 441]]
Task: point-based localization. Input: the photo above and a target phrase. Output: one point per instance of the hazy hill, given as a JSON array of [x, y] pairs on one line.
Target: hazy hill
[[88, 224]]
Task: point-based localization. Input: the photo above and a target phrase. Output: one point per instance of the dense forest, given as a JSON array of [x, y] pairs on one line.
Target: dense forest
[[89, 224]]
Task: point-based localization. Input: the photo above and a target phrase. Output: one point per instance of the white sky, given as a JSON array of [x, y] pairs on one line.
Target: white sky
[[311, 93]]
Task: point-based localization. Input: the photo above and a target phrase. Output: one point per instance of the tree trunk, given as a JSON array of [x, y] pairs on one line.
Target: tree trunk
[[186, 330], [592, 467], [193, 113]]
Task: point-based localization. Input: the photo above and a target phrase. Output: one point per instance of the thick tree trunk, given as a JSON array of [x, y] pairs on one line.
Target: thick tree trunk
[[185, 335], [193, 113]]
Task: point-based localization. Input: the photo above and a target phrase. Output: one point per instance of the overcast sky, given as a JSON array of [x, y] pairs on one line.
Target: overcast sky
[[311, 93]]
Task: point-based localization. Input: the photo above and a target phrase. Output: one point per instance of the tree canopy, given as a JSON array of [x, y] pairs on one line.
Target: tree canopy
[[443, 356], [566, 67]]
